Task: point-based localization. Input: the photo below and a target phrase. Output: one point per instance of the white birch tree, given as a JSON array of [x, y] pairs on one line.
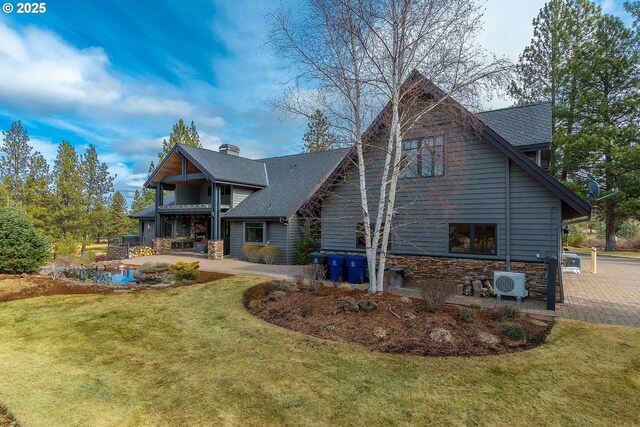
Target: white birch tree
[[366, 54]]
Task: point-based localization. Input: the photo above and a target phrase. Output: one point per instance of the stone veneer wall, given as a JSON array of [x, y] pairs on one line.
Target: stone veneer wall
[[215, 249], [161, 245], [419, 268], [462, 270], [117, 252]]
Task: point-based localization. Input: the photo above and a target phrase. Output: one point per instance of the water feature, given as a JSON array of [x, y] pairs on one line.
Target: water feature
[[101, 277]]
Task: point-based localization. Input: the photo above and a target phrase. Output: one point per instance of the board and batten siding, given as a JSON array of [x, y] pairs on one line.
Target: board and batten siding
[[472, 190], [187, 194], [276, 235], [149, 231]]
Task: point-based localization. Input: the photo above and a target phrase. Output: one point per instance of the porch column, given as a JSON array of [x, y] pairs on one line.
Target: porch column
[[215, 211], [159, 202]]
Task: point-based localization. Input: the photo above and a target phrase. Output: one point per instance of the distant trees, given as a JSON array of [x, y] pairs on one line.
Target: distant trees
[[117, 221], [318, 136], [587, 64], [70, 203]]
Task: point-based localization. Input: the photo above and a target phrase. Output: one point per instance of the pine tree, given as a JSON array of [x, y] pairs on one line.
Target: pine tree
[[97, 184], [68, 207], [142, 200], [38, 197], [318, 137], [181, 134], [610, 128], [14, 162], [117, 220], [549, 70]]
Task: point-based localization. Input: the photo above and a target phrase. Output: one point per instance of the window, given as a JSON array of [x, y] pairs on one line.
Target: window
[[254, 232], [479, 239], [423, 157], [361, 238]]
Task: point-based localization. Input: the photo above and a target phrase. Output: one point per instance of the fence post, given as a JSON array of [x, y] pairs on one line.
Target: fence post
[[594, 260]]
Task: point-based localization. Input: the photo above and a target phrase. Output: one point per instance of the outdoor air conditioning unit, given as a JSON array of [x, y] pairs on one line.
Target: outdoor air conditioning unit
[[509, 284]]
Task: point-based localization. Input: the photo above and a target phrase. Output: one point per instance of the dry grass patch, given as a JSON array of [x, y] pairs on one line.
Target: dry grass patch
[[14, 286], [195, 356]]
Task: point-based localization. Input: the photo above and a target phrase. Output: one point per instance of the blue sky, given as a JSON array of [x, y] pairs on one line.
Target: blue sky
[[119, 73]]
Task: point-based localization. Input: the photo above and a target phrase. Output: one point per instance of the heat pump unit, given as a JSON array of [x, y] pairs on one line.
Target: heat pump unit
[[509, 284]]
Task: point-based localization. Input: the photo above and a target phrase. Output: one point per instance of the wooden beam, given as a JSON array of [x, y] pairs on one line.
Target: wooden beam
[[184, 177]]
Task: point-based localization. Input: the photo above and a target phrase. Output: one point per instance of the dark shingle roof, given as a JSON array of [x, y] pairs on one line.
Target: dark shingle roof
[[150, 211], [229, 168], [292, 180], [521, 125]]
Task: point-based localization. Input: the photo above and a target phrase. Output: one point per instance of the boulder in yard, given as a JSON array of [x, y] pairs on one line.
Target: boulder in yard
[[441, 336], [277, 295], [406, 300], [367, 305], [379, 333], [407, 315], [348, 303], [487, 338]]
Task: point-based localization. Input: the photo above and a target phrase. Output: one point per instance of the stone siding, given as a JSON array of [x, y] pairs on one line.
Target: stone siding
[[161, 246], [117, 252], [215, 249], [420, 268]]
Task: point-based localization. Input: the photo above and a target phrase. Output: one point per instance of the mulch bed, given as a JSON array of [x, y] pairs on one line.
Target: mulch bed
[[405, 324], [45, 286]]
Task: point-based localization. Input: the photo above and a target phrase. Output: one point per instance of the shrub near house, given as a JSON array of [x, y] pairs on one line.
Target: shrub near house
[[22, 248]]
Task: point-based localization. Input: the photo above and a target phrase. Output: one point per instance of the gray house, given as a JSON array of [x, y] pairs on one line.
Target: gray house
[[472, 199], [203, 196]]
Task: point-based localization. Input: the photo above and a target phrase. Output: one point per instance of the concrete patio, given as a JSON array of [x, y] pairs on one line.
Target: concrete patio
[[611, 296]]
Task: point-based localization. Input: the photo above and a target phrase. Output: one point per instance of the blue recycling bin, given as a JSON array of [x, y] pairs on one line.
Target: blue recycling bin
[[337, 267], [357, 268]]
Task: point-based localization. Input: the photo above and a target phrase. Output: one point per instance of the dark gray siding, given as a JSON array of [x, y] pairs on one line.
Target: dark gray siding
[[295, 232], [472, 190], [276, 236], [187, 194], [149, 230], [238, 194], [203, 193]]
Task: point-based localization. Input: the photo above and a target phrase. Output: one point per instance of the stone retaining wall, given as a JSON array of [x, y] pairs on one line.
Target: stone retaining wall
[[117, 252]]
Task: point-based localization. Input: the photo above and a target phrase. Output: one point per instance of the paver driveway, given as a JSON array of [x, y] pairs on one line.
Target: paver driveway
[[610, 296]]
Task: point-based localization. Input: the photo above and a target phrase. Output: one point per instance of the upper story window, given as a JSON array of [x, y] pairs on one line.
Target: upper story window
[[423, 157]]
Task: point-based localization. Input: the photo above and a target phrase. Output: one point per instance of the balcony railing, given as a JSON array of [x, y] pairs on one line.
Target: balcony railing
[[173, 208]]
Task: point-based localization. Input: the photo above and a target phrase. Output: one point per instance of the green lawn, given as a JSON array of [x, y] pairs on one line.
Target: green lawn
[[620, 254], [194, 356]]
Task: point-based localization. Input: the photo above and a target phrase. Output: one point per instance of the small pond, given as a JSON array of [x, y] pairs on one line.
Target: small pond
[[101, 277]]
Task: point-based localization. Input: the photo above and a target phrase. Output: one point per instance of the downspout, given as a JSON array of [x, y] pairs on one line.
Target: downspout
[[508, 213], [285, 221]]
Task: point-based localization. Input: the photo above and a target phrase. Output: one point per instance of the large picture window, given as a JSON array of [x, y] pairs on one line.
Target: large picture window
[[254, 232], [423, 157], [478, 239]]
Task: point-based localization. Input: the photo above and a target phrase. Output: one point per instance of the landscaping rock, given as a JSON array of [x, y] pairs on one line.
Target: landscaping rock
[[348, 303], [89, 282], [441, 336], [537, 322], [406, 300], [367, 305], [254, 303], [330, 328], [277, 295], [345, 286], [408, 315], [379, 333], [487, 338]]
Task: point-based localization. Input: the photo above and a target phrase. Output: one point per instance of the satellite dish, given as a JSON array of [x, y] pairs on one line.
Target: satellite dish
[[594, 189]]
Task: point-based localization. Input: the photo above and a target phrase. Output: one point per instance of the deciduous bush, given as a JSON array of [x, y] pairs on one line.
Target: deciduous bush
[[185, 270], [315, 274], [22, 248], [468, 315], [514, 331], [575, 239], [153, 267], [270, 254], [436, 292], [251, 253]]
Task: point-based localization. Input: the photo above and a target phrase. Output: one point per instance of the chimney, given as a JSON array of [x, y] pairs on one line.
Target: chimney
[[232, 150]]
